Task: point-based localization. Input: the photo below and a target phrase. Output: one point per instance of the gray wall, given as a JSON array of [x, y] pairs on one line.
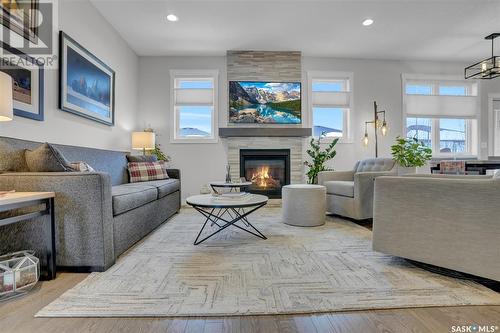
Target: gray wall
[[373, 80], [80, 20]]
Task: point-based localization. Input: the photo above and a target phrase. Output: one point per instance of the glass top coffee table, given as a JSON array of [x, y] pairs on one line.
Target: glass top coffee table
[[223, 213]]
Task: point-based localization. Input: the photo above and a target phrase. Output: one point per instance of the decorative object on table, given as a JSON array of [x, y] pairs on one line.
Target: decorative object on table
[[19, 272], [143, 141], [147, 171], [225, 212], [452, 167], [228, 173], [21, 17], [205, 189], [46, 158], [219, 188], [6, 105], [488, 68], [319, 157], [409, 153], [160, 155], [86, 84], [28, 82], [382, 125], [40, 204]]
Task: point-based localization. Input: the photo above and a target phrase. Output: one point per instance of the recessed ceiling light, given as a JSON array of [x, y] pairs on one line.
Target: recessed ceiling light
[[367, 22], [172, 18]]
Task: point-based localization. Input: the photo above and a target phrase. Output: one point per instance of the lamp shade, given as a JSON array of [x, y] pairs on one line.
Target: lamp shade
[[143, 140], [6, 102]]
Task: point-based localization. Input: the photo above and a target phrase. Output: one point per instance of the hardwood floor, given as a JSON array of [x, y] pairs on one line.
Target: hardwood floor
[[17, 316]]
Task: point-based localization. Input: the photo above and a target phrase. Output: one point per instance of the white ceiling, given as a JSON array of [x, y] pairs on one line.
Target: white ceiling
[[404, 29]]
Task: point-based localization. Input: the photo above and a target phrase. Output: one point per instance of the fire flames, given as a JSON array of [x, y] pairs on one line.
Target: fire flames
[[263, 179]]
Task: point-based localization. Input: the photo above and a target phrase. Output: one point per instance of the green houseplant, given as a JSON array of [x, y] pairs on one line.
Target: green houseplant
[[319, 157], [409, 153], [160, 155]]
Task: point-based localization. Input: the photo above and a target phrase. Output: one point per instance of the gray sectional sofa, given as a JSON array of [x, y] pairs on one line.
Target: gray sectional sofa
[[99, 215]]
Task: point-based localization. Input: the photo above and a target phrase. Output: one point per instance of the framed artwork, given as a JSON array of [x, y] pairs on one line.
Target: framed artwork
[[86, 84], [21, 16], [28, 82]]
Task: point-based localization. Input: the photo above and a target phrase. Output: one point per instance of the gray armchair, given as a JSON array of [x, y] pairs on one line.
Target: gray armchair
[[446, 221], [350, 193]]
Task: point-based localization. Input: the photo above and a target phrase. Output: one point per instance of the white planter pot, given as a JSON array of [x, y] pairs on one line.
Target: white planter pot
[[406, 170]]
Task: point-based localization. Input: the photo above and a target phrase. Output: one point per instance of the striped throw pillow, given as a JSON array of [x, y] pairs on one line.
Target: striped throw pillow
[[146, 171]]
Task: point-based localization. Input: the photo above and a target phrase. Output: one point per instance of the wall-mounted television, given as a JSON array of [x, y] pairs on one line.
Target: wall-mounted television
[[264, 102]]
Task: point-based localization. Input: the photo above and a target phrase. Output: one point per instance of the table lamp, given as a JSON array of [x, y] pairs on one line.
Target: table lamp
[[143, 141], [6, 101]]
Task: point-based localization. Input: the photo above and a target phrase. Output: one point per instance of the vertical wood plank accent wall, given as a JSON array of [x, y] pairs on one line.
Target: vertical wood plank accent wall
[[278, 66]]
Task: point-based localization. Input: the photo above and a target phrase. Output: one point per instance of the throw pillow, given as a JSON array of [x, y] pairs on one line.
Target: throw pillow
[[497, 174], [81, 167], [46, 158], [146, 171], [11, 158], [142, 158]]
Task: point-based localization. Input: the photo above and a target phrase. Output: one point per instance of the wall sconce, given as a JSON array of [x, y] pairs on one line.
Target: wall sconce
[[376, 121]]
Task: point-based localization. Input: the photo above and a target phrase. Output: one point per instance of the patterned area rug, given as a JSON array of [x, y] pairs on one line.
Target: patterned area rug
[[296, 270]]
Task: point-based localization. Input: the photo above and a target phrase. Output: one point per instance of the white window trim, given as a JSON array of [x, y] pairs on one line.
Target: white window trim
[[491, 124], [212, 74], [332, 75], [473, 151]]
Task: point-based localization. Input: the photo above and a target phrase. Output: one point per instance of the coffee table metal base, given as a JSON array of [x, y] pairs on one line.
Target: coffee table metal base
[[216, 216]]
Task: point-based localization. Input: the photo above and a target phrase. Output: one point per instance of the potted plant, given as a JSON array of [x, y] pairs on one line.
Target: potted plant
[[319, 157], [409, 153], [160, 155]]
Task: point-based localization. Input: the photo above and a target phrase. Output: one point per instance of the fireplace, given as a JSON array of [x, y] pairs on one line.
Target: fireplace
[[267, 169]]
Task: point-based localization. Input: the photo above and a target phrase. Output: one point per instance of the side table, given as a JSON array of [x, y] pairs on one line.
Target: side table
[[16, 200]]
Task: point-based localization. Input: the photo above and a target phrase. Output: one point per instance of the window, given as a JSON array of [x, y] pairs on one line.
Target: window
[[193, 106], [330, 104], [442, 113], [494, 126], [413, 89]]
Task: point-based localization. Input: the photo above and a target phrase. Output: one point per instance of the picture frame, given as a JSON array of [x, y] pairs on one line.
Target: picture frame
[[14, 15], [86, 84], [28, 82]]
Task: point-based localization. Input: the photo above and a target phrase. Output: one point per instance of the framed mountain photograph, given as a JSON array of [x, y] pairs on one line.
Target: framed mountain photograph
[[86, 84]]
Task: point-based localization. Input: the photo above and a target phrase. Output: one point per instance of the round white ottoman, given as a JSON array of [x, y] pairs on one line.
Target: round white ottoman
[[304, 205]]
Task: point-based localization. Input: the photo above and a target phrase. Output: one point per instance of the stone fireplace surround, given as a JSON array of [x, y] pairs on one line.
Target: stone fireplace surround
[[295, 144]]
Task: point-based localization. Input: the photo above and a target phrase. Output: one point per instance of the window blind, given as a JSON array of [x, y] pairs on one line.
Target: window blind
[[187, 91], [440, 99], [340, 99], [441, 106], [333, 93]]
